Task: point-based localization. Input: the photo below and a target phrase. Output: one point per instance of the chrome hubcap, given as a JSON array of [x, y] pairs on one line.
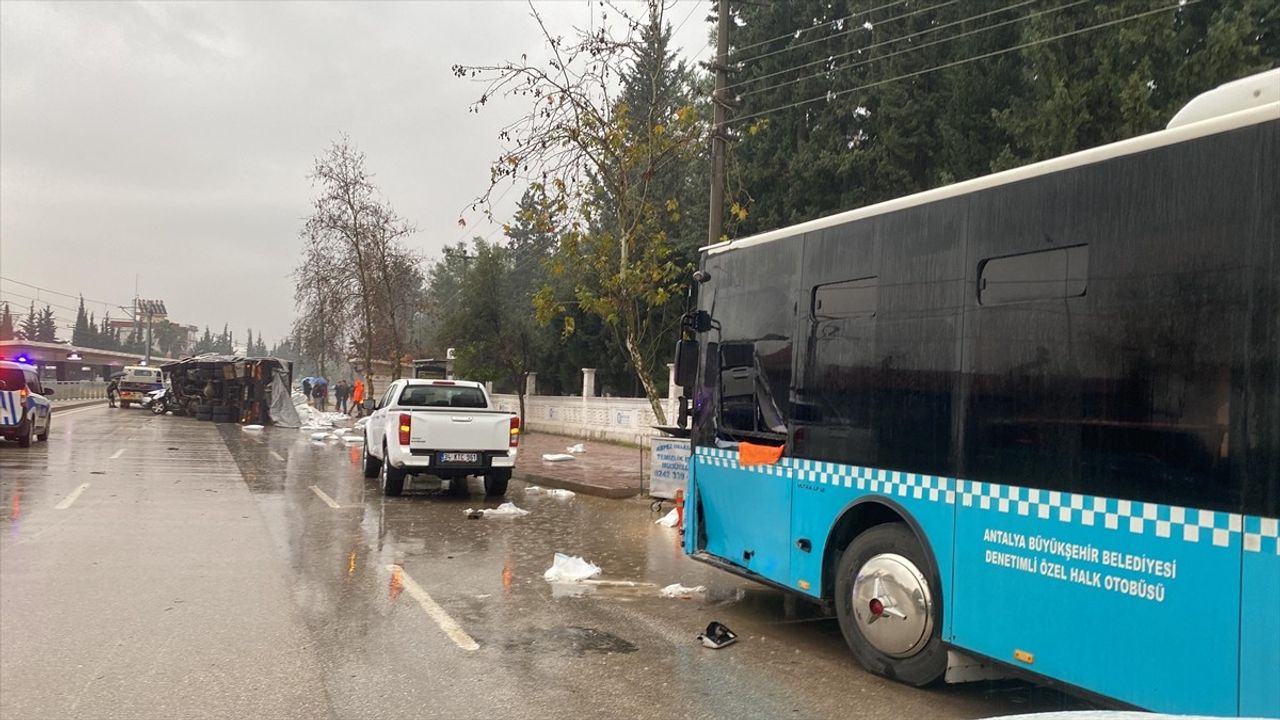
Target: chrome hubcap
[[892, 605]]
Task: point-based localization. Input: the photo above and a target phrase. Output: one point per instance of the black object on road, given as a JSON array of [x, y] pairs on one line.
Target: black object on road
[[717, 635]]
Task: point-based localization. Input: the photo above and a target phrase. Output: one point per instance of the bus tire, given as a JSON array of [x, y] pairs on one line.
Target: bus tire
[[893, 628]]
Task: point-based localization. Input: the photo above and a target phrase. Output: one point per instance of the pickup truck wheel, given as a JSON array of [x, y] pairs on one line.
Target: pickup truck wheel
[[371, 464], [124, 404], [392, 479], [458, 486], [495, 483]]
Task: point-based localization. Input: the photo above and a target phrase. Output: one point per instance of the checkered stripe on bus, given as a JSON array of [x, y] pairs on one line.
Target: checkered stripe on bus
[[1140, 518], [1261, 534]]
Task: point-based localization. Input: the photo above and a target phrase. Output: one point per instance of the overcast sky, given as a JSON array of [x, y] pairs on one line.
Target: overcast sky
[[171, 141]]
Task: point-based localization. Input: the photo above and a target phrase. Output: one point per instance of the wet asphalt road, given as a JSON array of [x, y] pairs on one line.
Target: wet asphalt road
[[198, 574]]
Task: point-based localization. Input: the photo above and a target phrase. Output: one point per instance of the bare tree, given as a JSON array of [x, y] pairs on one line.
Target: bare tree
[[354, 238], [324, 297]]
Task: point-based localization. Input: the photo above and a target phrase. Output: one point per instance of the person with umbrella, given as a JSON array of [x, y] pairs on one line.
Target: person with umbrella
[[320, 391]]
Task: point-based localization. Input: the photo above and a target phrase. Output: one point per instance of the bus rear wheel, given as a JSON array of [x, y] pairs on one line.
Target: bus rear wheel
[[889, 605]]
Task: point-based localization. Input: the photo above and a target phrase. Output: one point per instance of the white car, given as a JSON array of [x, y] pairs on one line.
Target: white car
[[447, 429]]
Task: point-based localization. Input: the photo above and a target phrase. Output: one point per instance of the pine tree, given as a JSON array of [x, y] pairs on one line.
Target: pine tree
[[205, 344], [6, 324], [29, 329], [46, 326], [80, 333]]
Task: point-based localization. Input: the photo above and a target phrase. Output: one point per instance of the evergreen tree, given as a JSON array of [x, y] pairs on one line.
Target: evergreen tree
[[46, 326], [205, 344], [29, 329], [855, 106], [6, 324], [80, 333]]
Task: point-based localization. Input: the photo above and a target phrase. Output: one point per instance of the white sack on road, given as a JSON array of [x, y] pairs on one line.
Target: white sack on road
[[676, 590], [570, 568], [251, 428], [319, 436], [558, 493], [671, 519], [557, 457], [504, 510], [579, 448]]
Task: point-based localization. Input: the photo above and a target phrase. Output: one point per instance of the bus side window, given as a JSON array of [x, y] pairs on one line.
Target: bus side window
[[746, 403]]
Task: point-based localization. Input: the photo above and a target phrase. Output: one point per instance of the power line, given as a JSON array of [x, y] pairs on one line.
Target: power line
[[891, 41], [847, 32], [686, 18], [37, 301], [831, 95], [800, 31], [55, 292]]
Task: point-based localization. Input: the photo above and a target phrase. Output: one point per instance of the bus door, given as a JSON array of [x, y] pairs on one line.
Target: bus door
[[745, 506]]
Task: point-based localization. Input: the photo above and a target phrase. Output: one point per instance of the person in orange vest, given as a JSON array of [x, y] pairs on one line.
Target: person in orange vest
[[357, 398]]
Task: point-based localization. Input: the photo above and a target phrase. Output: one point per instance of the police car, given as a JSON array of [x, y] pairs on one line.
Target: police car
[[25, 410]]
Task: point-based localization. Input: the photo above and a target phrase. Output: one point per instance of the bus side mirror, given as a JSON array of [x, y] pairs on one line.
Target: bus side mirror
[[686, 362]]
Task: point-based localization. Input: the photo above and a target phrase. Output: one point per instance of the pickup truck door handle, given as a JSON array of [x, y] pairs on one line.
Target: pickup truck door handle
[[461, 419]]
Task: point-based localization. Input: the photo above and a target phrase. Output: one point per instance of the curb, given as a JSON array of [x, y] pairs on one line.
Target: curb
[[611, 493], [78, 404]]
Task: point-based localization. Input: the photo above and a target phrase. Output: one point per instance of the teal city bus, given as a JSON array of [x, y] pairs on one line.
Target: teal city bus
[[1027, 423]]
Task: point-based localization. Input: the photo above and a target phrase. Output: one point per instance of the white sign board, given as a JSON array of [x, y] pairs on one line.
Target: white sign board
[[668, 467]]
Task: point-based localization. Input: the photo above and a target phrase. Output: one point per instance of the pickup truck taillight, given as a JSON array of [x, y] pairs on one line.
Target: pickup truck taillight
[[515, 432], [405, 427]]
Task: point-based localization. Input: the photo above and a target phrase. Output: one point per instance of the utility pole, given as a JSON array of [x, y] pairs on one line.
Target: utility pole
[[719, 103]]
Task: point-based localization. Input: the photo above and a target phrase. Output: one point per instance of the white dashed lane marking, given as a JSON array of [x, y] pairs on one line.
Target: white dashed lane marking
[[66, 502], [433, 610]]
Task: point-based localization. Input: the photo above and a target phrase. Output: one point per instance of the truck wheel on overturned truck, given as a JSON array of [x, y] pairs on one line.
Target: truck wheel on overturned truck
[[495, 482]]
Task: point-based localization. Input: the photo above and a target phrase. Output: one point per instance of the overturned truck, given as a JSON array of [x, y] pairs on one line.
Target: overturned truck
[[228, 388]]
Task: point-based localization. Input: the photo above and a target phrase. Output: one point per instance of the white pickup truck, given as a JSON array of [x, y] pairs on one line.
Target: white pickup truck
[[445, 428]]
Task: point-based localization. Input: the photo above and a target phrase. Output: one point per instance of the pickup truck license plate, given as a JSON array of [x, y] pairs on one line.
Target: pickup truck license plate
[[459, 458]]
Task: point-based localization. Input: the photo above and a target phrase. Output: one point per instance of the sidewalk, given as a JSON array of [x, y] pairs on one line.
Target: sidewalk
[[605, 469]]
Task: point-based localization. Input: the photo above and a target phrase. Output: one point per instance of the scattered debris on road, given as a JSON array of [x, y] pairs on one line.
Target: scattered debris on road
[[558, 457], [251, 428], [682, 592], [504, 510], [670, 520], [570, 568], [717, 635], [579, 448]]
